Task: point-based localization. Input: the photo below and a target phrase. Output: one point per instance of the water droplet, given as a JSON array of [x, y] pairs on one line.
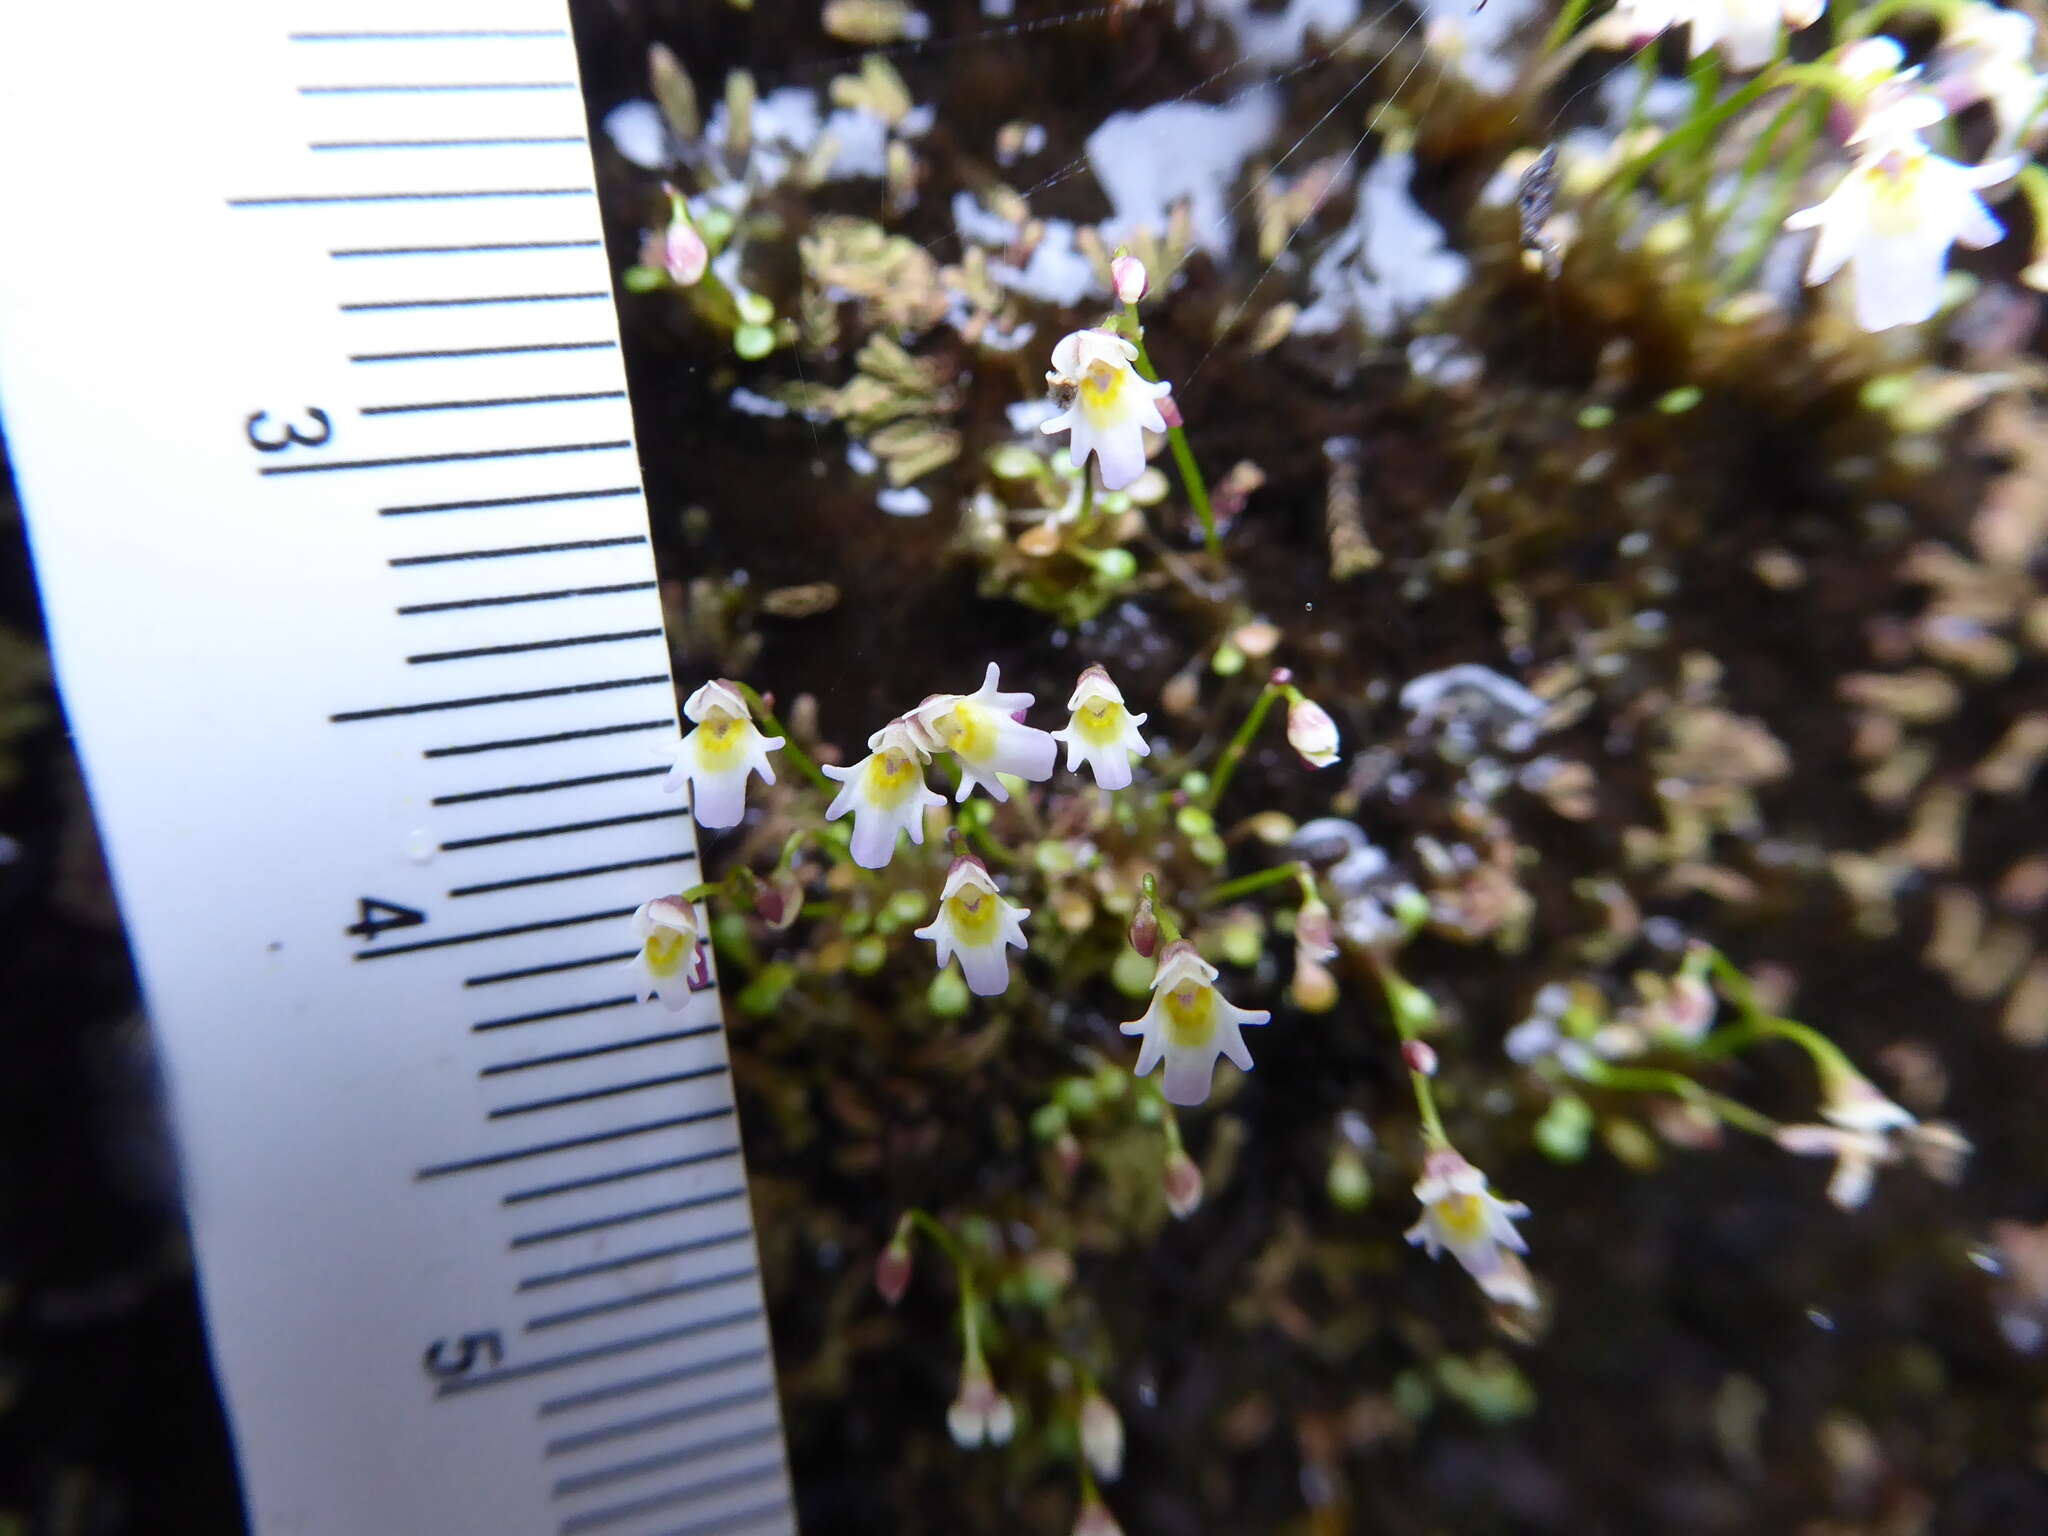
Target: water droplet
[[1308, 607], [1986, 1260], [1824, 1321], [420, 846]]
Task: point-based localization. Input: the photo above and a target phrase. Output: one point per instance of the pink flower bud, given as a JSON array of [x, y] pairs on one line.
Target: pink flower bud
[[1096, 1520], [779, 899], [684, 255], [1145, 928], [1131, 280], [892, 1269], [1066, 1152], [1183, 1182], [1169, 412], [1311, 732], [1315, 934], [1420, 1056]]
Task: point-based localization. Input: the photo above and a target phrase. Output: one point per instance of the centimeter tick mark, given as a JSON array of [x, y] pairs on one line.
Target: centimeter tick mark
[[491, 933], [512, 1021], [487, 405], [553, 968], [481, 700], [606, 1351], [442, 458], [509, 598], [546, 788], [572, 1144]]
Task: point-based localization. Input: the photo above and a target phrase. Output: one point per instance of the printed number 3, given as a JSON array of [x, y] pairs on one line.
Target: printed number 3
[[446, 1359], [293, 434]]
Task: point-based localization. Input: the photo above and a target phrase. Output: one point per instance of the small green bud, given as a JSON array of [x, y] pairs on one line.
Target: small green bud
[[1193, 821], [761, 996], [1566, 1129], [1013, 461], [947, 997], [1131, 973], [644, 279], [753, 342], [870, 953], [1228, 660], [1348, 1183], [1411, 908], [1594, 417], [1077, 1096], [1414, 1011], [1678, 401], [1114, 567], [1209, 849], [1049, 1121]]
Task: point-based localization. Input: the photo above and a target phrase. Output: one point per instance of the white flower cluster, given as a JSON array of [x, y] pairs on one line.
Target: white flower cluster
[[1895, 215], [886, 795]]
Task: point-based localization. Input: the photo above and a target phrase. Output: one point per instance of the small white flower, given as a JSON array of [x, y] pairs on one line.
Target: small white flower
[[886, 793], [1311, 732], [979, 730], [1987, 54], [1459, 1213], [1851, 1101], [1857, 1155], [1188, 1025], [667, 930], [1746, 31], [1102, 733], [1112, 408], [1892, 220], [977, 924], [980, 1412], [1889, 101], [718, 755]]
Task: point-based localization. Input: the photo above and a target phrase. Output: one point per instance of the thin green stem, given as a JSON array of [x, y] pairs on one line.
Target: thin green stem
[[1183, 456], [1245, 885], [1784, 183], [1677, 1084], [1084, 521], [1567, 22], [1234, 753], [1406, 1005], [796, 754]]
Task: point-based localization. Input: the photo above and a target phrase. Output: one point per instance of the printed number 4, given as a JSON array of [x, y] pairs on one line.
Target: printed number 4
[[377, 917]]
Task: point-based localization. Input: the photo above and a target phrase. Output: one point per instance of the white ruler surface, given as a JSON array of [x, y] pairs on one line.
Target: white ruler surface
[[312, 387]]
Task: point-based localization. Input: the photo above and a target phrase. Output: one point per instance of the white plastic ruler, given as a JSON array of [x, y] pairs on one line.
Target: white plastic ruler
[[312, 387]]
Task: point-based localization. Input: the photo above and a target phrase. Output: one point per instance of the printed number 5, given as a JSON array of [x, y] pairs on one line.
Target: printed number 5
[[446, 1359], [271, 442]]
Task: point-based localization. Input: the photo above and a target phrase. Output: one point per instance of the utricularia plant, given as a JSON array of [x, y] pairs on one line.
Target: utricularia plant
[[923, 799], [1881, 141]]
